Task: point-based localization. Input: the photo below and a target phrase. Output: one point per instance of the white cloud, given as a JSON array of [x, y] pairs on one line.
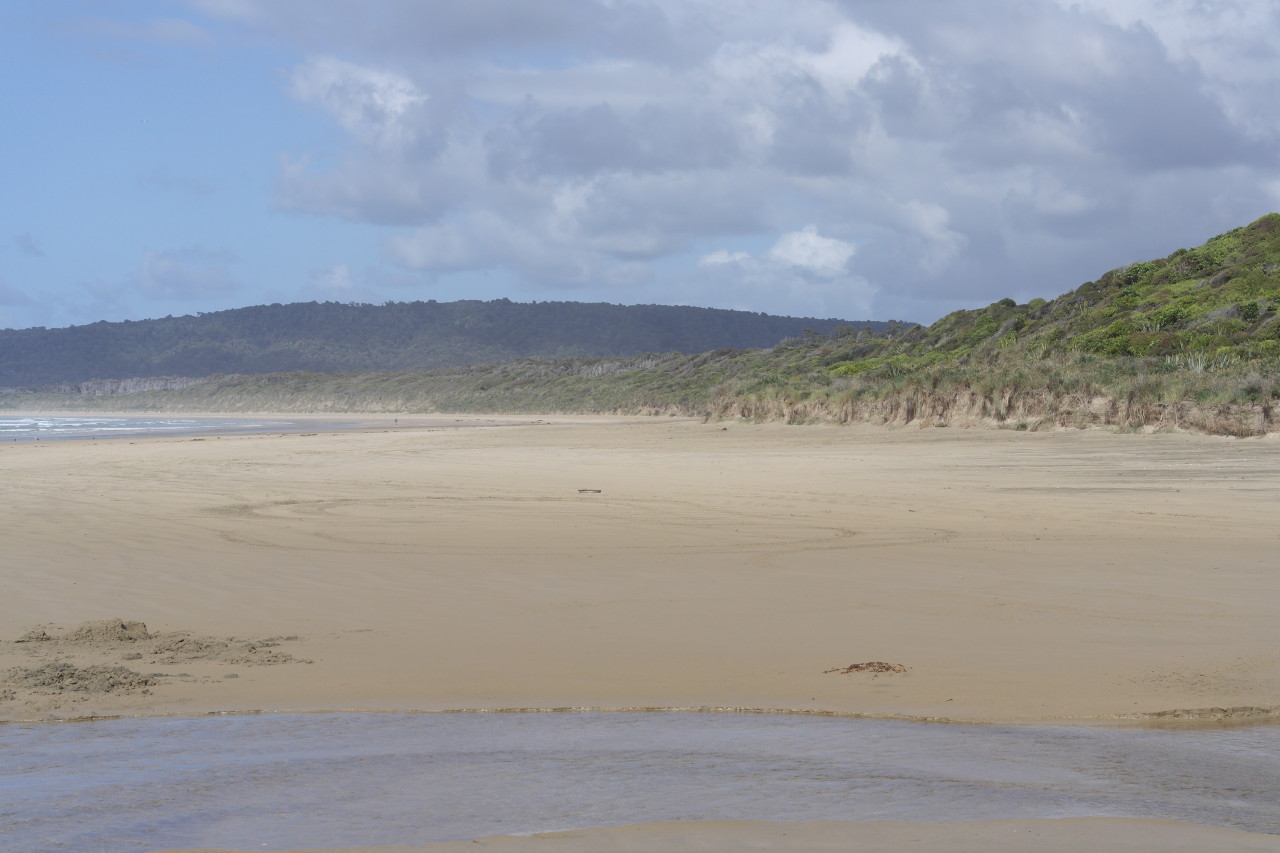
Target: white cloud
[[590, 144], [449, 246], [802, 269], [549, 251], [852, 53], [720, 257], [808, 250], [930, 224], [373, 105], [191, 273]]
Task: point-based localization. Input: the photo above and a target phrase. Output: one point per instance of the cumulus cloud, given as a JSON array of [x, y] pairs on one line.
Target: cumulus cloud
[[803, 269], [191, 273], [969, 150], [374, 105], [552, 250], [809, 251]]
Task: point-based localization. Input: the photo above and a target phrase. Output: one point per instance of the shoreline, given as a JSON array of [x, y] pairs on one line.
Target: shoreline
[[1052, 835], [1174, 719], [623, 562], [284, 423]]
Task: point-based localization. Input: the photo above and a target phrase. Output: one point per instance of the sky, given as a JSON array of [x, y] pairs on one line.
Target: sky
[[859, 159]]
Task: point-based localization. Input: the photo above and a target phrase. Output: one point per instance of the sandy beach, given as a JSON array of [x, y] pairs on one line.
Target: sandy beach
[[624, 563], [497, 563]]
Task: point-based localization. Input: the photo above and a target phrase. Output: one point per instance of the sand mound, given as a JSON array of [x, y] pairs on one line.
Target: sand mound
[[117, 635], [107, 631], [84, 663], [875, 666], [63, 677], [179, 648]]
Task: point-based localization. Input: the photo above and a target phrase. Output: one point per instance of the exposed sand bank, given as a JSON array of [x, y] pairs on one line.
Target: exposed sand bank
[[612, 562], [1113, 835]]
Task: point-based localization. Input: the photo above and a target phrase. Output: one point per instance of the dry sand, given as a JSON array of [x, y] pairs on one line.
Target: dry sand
[[637, 563], [629, 563]]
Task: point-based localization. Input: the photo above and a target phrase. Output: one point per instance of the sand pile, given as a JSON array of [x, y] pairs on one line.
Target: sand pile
[[107, 631], [87, 661], [135, 642], [61, 677], [180, 647]]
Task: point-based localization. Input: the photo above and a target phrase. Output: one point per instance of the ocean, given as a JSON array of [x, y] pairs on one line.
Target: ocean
[[51, 428]]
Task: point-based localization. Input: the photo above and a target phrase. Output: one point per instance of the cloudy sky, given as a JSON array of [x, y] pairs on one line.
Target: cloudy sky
[[863, 159]]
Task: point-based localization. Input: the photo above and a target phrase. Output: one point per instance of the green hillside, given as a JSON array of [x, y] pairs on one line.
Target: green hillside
[[1190, 341], [1214, 305]]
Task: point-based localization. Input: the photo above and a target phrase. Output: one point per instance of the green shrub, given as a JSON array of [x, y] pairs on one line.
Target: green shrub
[[1135, 273], [853, 368], [983, 329], [1128, 297]]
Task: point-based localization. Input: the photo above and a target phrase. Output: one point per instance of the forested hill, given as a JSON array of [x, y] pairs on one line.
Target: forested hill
[[398, 336]]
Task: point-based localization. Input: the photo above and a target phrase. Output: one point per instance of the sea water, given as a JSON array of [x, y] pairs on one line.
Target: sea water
[[332, 780], [41, 428]]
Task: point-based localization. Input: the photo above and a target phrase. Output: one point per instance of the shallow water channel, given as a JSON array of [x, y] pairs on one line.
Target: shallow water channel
[[329, 780]]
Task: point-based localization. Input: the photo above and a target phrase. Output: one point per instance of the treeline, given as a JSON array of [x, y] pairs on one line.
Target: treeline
[[328, 337]]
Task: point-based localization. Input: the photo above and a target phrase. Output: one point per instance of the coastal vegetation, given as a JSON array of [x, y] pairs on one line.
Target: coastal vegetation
[[1188, 341]]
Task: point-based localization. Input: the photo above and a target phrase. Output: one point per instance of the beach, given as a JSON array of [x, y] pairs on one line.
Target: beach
[[626, 563], [615, 563]]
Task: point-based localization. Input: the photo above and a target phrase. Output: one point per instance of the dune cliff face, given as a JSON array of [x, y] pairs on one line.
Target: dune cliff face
[[1019, 409]]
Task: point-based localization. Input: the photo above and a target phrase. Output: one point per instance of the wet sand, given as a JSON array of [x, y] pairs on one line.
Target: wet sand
[[1099, 835]]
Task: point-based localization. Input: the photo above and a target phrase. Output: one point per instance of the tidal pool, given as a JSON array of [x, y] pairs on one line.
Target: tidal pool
[[332, 780]]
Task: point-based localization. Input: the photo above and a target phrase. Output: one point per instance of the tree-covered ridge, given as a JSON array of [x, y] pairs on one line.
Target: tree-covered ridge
[[398, 336]]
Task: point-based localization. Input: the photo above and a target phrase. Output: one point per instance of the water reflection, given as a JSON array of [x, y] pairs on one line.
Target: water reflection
[[381, 779]]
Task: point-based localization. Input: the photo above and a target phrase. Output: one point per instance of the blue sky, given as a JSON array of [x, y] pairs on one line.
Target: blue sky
[[855, 159]]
